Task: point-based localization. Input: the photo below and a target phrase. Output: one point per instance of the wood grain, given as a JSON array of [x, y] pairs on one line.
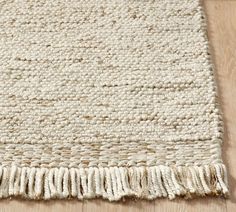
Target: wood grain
[[221, 15], [222, 35]]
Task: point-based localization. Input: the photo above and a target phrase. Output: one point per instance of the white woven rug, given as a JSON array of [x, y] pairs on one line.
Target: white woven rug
[[107, 98]]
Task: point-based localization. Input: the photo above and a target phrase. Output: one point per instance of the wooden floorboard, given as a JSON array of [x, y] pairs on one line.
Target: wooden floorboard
[[221, 15], [222, 34]]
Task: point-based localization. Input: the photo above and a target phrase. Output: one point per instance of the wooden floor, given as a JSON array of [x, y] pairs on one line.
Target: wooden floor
[[221, 15]]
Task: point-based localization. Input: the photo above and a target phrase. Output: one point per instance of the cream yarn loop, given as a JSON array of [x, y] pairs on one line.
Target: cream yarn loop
[[113, 183]]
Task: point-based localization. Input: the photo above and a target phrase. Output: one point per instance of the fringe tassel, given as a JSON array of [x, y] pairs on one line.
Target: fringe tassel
[[113, 183]]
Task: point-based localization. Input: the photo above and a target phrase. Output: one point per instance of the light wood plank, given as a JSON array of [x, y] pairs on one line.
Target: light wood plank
[[222, 34], [19, 205], [127, 206]]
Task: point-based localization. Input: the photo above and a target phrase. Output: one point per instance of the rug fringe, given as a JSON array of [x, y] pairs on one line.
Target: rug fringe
[[113, 183]]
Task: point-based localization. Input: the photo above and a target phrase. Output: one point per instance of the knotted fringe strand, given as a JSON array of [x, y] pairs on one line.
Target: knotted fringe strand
[[113, 183]]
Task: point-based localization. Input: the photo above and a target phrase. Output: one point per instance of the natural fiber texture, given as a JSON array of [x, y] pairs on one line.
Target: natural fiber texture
[[107, 98]]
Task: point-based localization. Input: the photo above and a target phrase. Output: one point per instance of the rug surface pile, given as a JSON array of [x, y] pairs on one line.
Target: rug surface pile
[[107, 98]]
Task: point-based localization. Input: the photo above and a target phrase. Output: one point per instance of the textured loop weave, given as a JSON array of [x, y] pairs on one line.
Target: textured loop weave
[[107, 98]]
